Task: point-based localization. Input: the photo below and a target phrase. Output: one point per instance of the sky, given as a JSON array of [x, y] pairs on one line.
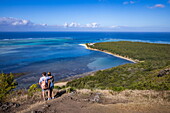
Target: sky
[[85, 15]]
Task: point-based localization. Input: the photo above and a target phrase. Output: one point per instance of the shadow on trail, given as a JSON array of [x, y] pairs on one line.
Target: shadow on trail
[[59, 94]]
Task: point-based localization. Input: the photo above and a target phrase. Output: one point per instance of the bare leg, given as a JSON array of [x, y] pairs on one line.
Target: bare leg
[[52, 93], [49, 94], [43, 94]]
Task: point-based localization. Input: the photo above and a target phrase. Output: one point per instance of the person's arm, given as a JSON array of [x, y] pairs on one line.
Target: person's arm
[[50, 77], [40, 82]]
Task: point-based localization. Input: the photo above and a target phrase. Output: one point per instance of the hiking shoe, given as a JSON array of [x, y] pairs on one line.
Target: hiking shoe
[[52, 98]]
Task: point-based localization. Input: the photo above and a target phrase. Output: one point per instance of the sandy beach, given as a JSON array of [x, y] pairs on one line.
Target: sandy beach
[[116, 55]]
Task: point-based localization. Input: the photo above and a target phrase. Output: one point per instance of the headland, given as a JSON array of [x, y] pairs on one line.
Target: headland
[[107, 52]]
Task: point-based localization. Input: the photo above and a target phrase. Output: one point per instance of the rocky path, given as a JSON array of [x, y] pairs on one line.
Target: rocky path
[[86, 101]]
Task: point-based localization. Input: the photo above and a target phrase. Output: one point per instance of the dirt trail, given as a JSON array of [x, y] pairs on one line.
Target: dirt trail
[[103, 101]]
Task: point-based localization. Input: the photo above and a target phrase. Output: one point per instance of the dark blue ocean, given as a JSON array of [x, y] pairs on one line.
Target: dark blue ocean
[[60, 52]]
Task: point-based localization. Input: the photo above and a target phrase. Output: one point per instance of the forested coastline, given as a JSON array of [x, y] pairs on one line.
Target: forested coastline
[[153, 72]]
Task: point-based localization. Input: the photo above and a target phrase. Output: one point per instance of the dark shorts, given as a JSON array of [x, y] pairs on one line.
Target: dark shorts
[[52, 87]]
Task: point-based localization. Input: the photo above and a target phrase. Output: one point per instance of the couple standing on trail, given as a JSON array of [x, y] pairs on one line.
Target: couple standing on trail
[[47, 84]]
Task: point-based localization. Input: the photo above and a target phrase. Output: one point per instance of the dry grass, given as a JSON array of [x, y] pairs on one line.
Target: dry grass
[[135, 96], [30, 107], [132, 101]]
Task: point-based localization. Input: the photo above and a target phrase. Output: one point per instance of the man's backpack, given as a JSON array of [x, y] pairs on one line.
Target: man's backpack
[[44, 85]]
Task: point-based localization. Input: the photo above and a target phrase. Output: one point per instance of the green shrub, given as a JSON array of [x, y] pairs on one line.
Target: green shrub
[[57, 87], [118, 88], [7, 83], [71, 89], [32, 89]]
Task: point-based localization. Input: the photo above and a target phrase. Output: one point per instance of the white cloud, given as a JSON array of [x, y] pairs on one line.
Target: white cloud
[[93, 25], [131, 2], [15, 22], [9, 21], [66, 24], [73, 24], [43, 24], [114, 26], [128, 2], [157, 6], [81, 26], [20, 22], [118, 26]]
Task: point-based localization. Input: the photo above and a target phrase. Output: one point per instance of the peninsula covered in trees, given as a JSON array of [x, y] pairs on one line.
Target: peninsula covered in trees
[[152, 70]]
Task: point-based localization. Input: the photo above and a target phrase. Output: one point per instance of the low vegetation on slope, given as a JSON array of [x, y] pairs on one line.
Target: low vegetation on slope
[[7, 83], [153, 73]]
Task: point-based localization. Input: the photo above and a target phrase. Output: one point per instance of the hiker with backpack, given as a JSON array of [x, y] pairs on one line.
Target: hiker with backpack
[[43, 82], [51, 85]]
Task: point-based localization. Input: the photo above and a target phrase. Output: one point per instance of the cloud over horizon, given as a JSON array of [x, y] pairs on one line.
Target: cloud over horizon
[[14, 24], [10, 24], [93, 25], [72, 24]]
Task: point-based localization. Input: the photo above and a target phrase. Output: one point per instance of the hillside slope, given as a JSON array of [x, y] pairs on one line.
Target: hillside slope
[[98, 101]]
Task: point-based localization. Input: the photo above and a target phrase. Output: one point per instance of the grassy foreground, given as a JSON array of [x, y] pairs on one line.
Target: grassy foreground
[[152, 73]]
